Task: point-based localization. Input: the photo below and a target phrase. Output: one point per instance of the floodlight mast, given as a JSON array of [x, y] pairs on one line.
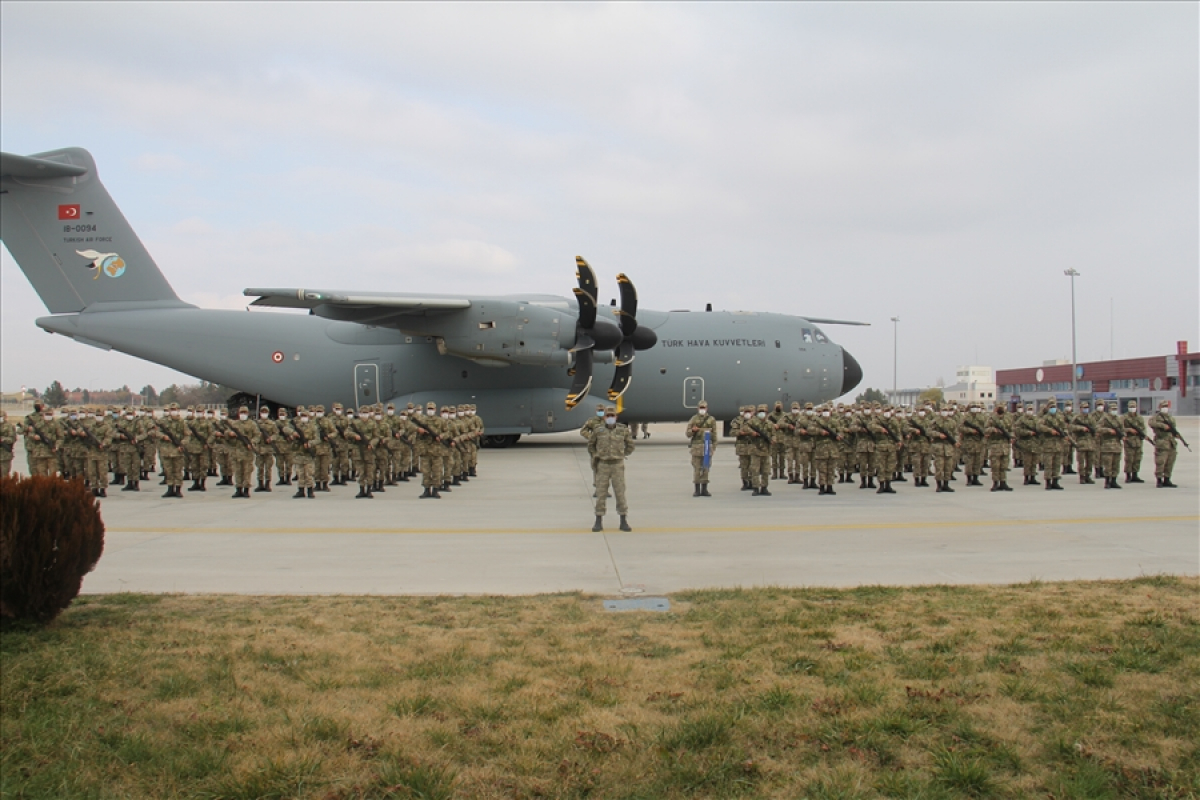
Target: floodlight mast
[[1072, 273]]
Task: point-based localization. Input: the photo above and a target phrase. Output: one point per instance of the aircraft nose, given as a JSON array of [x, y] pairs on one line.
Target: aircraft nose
[[851, 372]]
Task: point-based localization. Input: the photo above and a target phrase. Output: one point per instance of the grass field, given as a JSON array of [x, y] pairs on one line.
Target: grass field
[[1072, 690]]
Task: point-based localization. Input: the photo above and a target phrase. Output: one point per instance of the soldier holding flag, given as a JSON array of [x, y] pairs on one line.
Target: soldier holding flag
[[702, 432]]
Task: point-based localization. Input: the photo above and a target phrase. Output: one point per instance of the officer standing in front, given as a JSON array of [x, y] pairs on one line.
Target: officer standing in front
[[702, 433], [611, 443], [1165, 433]]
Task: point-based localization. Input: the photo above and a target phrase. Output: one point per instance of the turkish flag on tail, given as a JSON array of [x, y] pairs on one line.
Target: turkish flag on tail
[[68, 212]]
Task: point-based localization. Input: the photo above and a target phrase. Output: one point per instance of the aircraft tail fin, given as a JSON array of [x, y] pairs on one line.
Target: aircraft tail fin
[[70, 239]]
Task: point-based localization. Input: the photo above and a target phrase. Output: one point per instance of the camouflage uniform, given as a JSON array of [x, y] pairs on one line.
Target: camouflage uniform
[[741, 446], [943, 437], [888, 441], [759, 433], [1054, 434], [264, 454], [174, 438], [864, 447], [362, 437], [612, 444], [222, 449], [8, 441], [430, 429], [1027, 443], [243, 437], [827, 449], [917, 429], [129, 455], [72, 451], [96, 451], [1111, 434], [699, 427], [1083, 426], [778, 444], [149, 449], [323, 450], [586, 432], [804, 445], [284, 451], [305, 437], [971, 441], [43, 436], [999, 434], [1135, 435], [787, 436], [341, 447], [198, 450], [1164, 428]]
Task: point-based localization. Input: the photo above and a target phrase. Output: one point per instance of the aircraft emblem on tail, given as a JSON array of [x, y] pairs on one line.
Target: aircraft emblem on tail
[[110, 264]]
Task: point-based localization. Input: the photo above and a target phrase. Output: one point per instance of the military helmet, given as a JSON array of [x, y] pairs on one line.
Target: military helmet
[[762, 406], [610, 410], [432, 406], [702, 404], [337, 405], [243, 410], [301, 410], [319, 408]]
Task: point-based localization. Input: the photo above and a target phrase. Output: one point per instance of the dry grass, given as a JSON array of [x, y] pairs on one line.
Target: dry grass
[[1084, 690]]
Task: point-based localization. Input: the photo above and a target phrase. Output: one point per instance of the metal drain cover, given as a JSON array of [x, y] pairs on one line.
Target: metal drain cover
[[638, 604]]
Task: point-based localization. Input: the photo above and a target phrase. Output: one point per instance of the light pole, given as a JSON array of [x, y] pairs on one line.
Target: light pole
[[895, 352], [1072, 273]]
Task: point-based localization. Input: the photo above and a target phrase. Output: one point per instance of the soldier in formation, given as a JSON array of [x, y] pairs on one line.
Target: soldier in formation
[[8, 441], [702, 443], [1165, 436]]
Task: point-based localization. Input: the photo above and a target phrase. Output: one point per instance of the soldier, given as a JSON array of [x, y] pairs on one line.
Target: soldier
[[429, 431], [391, 445], [340, 445], [999, 434], [805, 446], [361, 436], [1135, 435], [1165, 434], [477, 429], [888, 441], [382, 455], [199, 442], [1027, 442], [1111, 434], [759, 433], [243, 438], [129, 456], [702, 434], [72, 451], [305, 437], [740, 446], [148, 427], [612, 443], [453, 460], [847, 457], [8, 441], [778, 450], [826, 434], [943, 435], [222, 449], [918, 441], [283, 450], [97, 441], [1070, 416], [264, 452], [787, 436], [1053, 430], [323, 449], [174, 438], [971, 441], [43, 436], [1083, 427], [864, 446]]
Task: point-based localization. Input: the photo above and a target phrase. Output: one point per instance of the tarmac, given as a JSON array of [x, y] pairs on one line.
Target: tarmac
[[523, 525]]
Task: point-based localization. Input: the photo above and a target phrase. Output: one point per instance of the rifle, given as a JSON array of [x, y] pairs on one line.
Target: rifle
[[1135, 432], [888, 430], [165, 432], [1172, 429], [241, 437], [832, 435], [300, 435], [975, 428], [42, 434]]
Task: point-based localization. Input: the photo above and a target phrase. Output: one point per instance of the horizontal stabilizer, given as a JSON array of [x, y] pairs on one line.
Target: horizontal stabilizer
[[28, 167], [835, 321]]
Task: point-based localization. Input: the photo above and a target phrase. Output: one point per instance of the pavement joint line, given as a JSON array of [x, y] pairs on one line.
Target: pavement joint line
[[676, 529]]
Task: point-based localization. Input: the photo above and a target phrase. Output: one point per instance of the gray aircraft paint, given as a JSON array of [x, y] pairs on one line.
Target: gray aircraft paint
[[508, 355]]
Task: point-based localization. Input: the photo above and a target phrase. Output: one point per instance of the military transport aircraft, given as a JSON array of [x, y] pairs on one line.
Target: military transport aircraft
[[531, 363]]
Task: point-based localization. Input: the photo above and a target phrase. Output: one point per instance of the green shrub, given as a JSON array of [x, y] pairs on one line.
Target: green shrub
[[51, 535]]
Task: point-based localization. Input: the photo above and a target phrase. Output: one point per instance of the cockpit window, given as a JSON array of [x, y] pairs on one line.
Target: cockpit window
[[820, 337], [806, 335]]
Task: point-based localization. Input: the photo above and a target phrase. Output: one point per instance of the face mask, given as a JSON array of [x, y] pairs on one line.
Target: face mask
[[887, 414], [600, 414], [746, 414], [264, 416], [824, 413], [129, 417], [762, 415], [702, 411], [810, 412], [48, 417], [391, 412], [610, 421], [320, 414], [920, 413], [430, 413], [174, 415], [1054, 411], [1101, 408], [337, 411], [243, 417], [304, 417]]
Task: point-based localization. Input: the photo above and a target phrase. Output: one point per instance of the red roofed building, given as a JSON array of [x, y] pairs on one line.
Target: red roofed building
[[1174, 377]]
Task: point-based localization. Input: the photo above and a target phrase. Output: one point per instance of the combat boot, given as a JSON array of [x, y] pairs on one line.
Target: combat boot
[[763, 492], [899, 478], [1158, 483], [1068, 471], [598, 525], [863, 482], [1048, 486], [260, 487], [471, 472], [1134, 479], [299, 495], [871, 482], [436, 494], [829, 490], [1115, 485], [363, 492], [128, 486], [402, 477], [379, 487], [118, 479], [696, 490], [170, 492], [428, 493], [445, 487], [995, 486], [882, 488], [311, 496], [1166, 485], [746, 485], [195, 487], [946, 487], [704, 490], [455, 481], [624, 524], [204, 484], [1056, 485], [1004, 487], [755, 492]]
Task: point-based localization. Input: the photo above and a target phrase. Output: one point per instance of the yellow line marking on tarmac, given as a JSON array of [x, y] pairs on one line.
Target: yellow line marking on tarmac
[[865, 526]]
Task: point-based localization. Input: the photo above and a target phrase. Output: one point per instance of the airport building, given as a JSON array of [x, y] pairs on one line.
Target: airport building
[[1174, 377], [972, 383]]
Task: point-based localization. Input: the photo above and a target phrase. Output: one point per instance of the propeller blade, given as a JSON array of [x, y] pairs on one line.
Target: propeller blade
[[582, 380], [587, 308], [582, 342], [625, 353], [621, 380], [628, 313]]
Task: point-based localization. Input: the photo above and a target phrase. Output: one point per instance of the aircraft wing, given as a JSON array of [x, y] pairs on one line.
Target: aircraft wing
[[357, 306], [821, 321]]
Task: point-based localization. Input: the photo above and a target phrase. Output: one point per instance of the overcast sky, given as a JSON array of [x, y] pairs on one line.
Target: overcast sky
[[941, 162]]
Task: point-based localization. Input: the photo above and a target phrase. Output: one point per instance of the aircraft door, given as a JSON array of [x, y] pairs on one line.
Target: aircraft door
[[366, 384], [693, 392]]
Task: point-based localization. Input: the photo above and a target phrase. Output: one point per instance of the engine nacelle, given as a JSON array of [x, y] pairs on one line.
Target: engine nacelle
[[501, 332]]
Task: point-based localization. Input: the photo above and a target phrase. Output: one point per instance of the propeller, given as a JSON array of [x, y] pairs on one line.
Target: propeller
[[592, 334]]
